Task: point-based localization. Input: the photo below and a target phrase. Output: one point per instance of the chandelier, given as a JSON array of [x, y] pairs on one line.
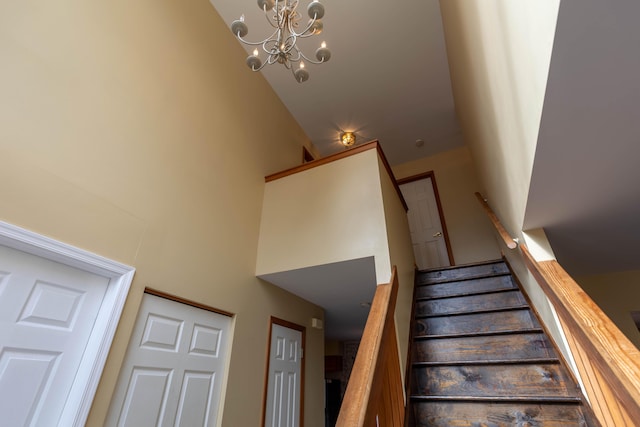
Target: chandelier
[[280, 47]]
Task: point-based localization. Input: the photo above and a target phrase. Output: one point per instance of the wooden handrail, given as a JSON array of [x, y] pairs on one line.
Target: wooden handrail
[[615, 358], [610, 350], [375, 390], [506, 237]]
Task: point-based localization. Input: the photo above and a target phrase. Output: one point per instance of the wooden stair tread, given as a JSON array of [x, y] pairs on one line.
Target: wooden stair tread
[[545, 379], [493, 279], [467, 294], [453, 267], [520, 346], [548, 360], [463, 272], [425, 281], [496, 414], [496, 321], [479, 334], [486, 310], [538, 399], [472, 303]]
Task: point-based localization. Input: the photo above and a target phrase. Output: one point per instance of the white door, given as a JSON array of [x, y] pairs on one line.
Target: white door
[[429, 245], [174, 368], [285, 377], [47, 313]]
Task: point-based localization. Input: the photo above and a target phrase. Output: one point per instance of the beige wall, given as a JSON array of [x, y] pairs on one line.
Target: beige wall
[[134, 130], [499, 53], [323, 215], [617, 294], [470, 232], [401, 255]]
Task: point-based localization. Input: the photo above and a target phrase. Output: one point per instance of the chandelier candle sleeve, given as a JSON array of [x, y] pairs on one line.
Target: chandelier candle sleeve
[[301, 74], [253, 61], [281, 46]]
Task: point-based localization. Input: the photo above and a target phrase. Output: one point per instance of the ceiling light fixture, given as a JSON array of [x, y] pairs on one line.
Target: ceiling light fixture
[[280, 46], [348, 139]]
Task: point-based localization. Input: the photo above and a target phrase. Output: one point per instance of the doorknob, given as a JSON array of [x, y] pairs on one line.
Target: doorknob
[[438, 234]]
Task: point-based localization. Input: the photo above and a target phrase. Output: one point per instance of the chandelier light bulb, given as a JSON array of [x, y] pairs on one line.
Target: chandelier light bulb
[[255, 52]]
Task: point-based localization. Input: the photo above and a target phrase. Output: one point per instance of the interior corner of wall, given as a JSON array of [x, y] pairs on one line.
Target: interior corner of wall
[[538, 244]]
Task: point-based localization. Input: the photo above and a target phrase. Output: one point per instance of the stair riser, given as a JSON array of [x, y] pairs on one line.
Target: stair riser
[[465, 287], [432, 414], [476, 323], [493, 381], [500, 300], [462, 273], [500, 347]]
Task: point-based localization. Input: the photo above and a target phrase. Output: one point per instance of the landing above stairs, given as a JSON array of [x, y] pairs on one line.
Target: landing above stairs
[[480, 357]]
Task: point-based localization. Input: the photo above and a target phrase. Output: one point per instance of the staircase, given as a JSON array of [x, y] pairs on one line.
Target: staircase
[[480, 357]]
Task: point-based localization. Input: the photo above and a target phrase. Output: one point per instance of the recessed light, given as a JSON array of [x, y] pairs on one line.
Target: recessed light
[[419, 142]]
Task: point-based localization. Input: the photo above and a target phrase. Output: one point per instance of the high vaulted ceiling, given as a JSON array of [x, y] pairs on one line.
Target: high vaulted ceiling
[[387, 79]]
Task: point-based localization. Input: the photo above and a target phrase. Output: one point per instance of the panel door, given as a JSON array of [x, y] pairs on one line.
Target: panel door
[[285, 377], [429, 245], [47, 313], [174, 367]]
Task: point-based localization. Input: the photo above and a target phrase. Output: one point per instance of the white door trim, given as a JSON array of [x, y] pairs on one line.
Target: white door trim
[[84, 387]]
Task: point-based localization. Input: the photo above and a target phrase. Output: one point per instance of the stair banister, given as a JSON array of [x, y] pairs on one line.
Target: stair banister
[[605, 348], [374, 394]]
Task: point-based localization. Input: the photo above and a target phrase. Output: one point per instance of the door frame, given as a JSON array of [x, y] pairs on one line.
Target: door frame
[[83, 389], [445, 233], [285, 323]]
